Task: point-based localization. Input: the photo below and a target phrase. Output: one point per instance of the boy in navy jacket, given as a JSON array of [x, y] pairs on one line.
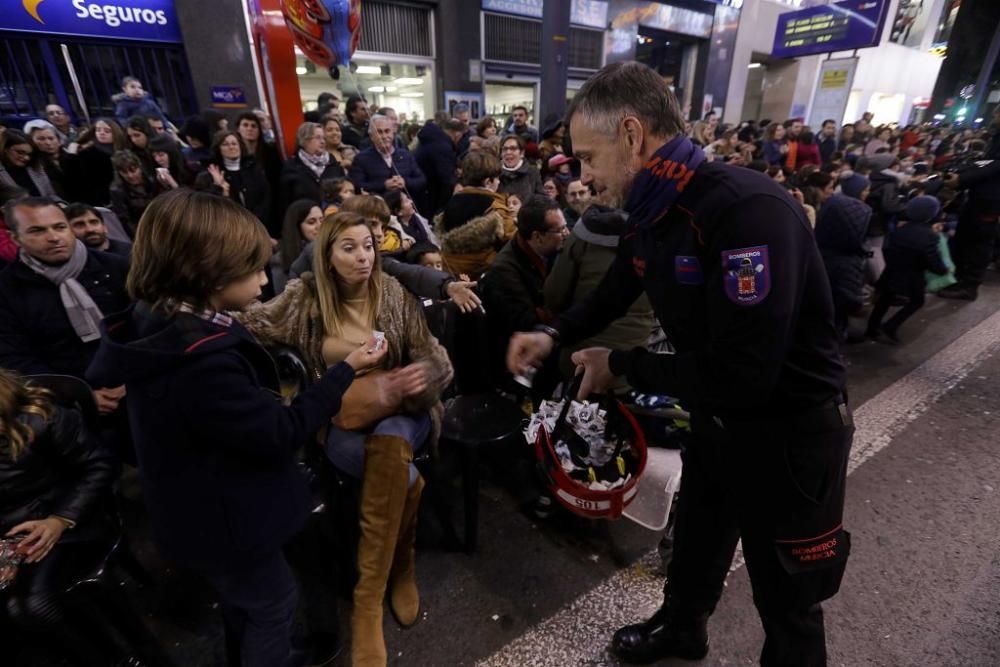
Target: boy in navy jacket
[[216, 447]]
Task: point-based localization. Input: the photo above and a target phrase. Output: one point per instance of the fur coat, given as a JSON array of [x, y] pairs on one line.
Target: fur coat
[[293, 318], [471, 248]]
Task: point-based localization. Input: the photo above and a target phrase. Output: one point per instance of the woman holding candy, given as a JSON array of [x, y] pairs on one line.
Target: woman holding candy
[[387, 414]]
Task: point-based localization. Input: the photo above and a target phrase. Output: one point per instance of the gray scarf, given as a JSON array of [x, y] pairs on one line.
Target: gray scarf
[[83, 313], [316, 163]]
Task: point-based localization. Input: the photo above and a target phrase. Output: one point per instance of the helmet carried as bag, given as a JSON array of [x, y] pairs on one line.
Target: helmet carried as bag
[[630, 457]]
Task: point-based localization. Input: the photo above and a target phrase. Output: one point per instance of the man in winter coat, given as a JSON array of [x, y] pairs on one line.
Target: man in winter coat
[[52, 300], [913, 250], [385, 166], [886, 203], [578, 270], [840, 234], [513, 289], [437, 157]]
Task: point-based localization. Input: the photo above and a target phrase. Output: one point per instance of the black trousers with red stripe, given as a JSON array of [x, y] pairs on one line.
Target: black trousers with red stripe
[[780, 487]]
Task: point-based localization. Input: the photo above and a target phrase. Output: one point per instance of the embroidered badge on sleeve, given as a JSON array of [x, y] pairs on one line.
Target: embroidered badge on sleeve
[[687, 270], [746, 275]]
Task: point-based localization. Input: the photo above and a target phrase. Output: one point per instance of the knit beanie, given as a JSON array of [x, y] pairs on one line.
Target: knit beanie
[[854, 185], [923, 209]]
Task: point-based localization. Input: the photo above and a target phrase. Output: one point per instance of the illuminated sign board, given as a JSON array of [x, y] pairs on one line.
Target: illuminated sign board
[[142, 20], [841, 26]]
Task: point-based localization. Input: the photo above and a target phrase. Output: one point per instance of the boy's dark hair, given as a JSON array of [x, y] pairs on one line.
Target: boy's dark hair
[[531, 217], [478, 167], [807, 138], [415, 253], [128, 79], [189, 243]]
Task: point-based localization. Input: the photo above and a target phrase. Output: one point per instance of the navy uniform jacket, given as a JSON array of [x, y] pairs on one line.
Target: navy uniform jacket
[[983, 179], [736, 281]]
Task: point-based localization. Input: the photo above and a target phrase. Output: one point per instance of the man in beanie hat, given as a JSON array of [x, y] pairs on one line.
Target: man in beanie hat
[[913, 249], [855, 186]]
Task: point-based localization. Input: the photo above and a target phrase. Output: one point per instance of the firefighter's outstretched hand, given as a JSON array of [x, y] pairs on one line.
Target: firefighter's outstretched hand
[[527, 351], [593, 363]]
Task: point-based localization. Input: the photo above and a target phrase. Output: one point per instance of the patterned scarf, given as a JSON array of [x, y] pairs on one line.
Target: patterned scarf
[[662, 180], [83, 313], [316, 163]]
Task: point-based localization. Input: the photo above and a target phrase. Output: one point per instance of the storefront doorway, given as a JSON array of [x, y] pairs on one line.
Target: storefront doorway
[[503, 95], [406, 86], [675, 57]]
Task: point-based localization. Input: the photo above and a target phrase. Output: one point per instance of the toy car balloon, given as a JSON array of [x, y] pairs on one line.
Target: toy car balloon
[[327, 31]]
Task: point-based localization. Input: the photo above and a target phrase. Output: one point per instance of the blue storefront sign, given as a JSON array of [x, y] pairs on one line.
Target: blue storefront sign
[[140, 20], [841, 26], [229, 97]]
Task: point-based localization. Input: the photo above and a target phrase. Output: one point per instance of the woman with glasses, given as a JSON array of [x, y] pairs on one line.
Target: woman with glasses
[[19, 165], [517, 177]]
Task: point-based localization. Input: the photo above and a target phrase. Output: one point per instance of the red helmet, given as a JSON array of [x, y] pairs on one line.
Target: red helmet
[[580, 496]]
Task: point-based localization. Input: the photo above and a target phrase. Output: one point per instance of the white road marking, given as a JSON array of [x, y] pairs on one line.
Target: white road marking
[[578, 633]]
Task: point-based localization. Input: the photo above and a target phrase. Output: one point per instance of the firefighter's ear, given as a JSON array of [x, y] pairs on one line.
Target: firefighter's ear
[[633, 134]]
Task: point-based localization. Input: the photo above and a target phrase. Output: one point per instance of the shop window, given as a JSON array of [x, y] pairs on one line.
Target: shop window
[[32, 69], [401, 29], [408, 88]]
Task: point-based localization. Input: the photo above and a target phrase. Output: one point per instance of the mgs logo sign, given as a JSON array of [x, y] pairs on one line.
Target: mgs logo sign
[[147, 20]]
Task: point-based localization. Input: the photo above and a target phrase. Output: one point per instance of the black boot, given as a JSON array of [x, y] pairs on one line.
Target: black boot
[[962, 291], [661, 637]]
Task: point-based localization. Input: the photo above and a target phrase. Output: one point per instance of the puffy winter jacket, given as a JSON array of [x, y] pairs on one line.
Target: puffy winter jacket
[[840, 234]]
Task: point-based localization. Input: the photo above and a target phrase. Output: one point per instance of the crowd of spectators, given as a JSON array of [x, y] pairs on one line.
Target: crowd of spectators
[[370, 221]]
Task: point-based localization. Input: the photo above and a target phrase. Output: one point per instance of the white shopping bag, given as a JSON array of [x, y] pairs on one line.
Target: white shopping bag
[[656, 488]]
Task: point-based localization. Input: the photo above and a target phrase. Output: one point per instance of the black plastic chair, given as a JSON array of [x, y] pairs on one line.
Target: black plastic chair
[[470, 424], [476, 417]]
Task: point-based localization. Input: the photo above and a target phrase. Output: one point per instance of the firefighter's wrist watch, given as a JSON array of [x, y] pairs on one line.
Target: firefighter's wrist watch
[[552, 333]]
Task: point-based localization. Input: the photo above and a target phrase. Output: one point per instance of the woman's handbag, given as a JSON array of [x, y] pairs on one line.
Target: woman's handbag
[[363, 404]]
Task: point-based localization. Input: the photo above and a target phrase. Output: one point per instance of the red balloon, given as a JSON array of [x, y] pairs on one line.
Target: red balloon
[[327, 31]]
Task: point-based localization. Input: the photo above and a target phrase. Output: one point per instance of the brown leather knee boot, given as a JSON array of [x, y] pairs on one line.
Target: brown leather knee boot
[[404, 599], [383, 498]]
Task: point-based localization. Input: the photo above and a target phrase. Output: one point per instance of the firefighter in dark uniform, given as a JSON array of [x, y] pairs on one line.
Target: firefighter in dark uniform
[[728, 260], [978, 230]]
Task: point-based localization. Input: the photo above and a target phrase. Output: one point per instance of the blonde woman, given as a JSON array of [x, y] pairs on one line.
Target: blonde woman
[[386, 416]]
